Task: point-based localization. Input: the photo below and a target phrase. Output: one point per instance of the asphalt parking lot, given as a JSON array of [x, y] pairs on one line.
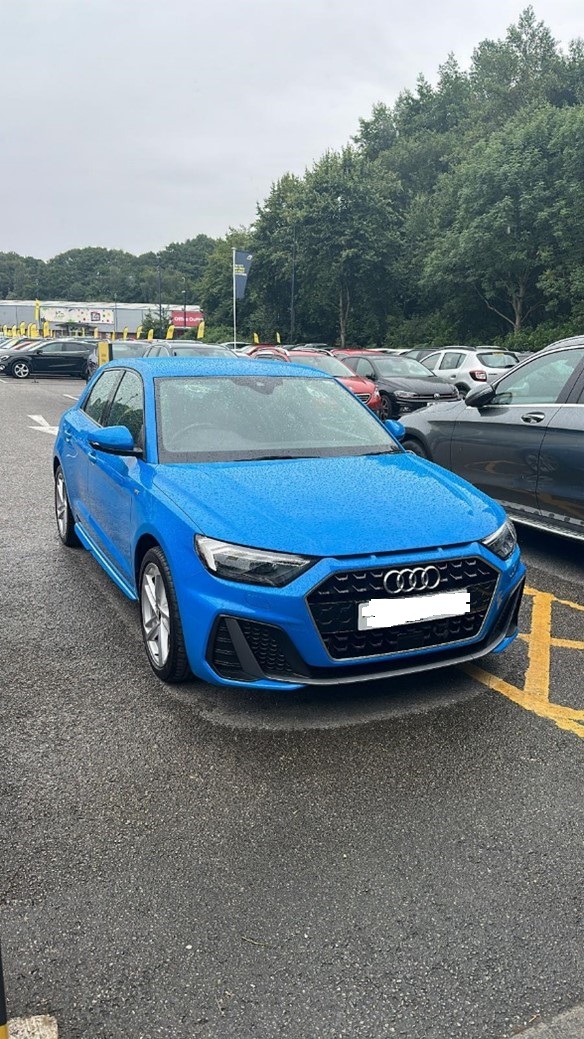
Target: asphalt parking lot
[[400, 859]]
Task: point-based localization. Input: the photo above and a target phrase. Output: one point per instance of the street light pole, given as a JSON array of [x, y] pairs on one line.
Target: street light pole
[[159, 297], [184, 306]]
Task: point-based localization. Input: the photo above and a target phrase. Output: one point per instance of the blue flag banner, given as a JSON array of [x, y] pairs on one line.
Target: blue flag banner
[[241, 265]]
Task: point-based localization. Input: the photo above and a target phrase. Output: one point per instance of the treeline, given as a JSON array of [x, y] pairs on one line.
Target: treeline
[[455, 215]]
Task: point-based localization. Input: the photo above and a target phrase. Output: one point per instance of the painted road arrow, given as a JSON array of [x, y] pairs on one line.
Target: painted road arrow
[[42, 425]]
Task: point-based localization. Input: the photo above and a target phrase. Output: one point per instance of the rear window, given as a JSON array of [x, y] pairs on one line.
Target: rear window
[[497, 360]]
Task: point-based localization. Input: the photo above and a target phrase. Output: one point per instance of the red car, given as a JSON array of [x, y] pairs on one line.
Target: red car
[[323, 361]]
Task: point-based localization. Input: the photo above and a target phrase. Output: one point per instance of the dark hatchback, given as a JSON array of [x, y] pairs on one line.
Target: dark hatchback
[[520, 439], [50, 357], [404, 384]]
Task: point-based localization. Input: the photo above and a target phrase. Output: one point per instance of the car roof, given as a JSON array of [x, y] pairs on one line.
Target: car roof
[[167, 367]]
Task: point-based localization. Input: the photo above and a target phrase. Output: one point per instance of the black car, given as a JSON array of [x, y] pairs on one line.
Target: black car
[[404, 384], [193, 349], [50, 357], [519, 439], [119, 348]]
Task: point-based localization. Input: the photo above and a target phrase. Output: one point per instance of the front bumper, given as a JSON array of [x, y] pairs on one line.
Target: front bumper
[[289, 637]]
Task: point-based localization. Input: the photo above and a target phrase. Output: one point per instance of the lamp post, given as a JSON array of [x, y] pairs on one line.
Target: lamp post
[[159, 295], [184, 306]]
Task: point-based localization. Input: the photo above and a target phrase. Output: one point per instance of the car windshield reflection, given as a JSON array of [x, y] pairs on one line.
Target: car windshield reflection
[[258, 417]]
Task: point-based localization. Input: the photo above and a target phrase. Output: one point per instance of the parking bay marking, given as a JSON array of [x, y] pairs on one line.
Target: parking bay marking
[[535, 694], [42, 425]]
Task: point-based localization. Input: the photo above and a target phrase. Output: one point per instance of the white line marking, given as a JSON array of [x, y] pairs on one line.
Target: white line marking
[[70, 396], [42, 425], [42, 1027]]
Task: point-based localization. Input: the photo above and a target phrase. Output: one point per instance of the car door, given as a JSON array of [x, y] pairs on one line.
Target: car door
[[114, 479], [497, 447], [49, 359], [560, 478], [78, 425], [76, 355], [362, 366], [449, 365]]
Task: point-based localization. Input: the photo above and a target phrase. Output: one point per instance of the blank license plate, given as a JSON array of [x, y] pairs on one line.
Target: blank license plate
[[389, 613]]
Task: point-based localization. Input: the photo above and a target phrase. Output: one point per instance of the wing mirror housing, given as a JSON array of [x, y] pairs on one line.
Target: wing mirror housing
[[114, 440], [480, 396], [397, 429]]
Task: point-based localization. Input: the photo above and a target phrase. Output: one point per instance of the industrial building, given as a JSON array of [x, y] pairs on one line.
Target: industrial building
[[66, 318]]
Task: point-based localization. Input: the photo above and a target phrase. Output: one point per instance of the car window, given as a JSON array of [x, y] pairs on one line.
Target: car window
[[74, 348], [100, 394], [127, 407], [451, 360], [364, 367], [431, 360], [51, 348], [497, 360], [262, 417], [540, 381]]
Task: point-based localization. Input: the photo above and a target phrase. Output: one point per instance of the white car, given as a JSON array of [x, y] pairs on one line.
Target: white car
[[466, 367]]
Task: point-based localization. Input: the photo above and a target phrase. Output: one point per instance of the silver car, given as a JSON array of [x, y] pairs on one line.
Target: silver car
[[469, 367]]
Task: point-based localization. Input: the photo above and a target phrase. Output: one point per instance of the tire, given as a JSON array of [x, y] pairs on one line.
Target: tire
[[160, 619], [20, 369], [387, 408], [63, 515], [415, 448]]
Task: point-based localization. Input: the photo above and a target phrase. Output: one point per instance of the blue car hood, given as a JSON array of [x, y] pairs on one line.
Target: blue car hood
[[331, 506]]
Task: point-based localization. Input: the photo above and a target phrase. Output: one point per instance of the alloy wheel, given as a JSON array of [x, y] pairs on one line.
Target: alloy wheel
[[20, 370], [61, 505], [155, 615]]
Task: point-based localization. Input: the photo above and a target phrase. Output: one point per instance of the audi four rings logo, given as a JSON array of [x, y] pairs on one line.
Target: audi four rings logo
[[419, 579]]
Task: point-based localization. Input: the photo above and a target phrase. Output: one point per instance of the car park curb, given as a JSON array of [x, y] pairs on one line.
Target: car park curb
[[566, 1026]]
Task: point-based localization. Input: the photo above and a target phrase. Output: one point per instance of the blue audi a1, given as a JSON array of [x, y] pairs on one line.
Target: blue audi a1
[[273, 531]]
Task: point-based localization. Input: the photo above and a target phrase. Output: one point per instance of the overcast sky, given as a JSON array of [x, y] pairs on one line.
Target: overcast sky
[[134, 123]]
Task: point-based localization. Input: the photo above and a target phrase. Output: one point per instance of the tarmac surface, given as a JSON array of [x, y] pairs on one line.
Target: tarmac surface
[[401, 859]]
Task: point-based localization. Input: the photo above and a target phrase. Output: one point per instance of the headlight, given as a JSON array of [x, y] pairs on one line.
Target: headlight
[[250, 565], [405, 394], [503, 541]]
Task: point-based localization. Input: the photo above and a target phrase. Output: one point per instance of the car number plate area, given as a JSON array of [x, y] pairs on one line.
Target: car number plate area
[[391, 613]]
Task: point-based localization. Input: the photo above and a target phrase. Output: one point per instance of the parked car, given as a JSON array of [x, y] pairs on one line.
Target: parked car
[[465, 367], [323, 361], [404, 384], [519, 439], [572, 341], [237, 346], [218, 499], [192, 349], [119, 348], [49, 357]]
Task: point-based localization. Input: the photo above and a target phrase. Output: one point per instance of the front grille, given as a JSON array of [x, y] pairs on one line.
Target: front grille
[[334, 609], [363, 396]]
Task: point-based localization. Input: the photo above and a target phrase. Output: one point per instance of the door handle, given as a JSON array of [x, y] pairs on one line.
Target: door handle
[[532, 417], [92, 456]]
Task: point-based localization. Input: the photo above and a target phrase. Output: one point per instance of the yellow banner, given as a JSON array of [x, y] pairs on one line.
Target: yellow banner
[[201, 330]]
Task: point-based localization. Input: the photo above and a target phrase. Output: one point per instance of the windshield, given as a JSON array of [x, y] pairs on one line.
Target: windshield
[[323, 363], [221, 418], [497, 360], [403, 367]]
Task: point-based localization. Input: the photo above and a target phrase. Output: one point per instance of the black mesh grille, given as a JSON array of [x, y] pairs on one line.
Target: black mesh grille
[[334, 608], [267, 643]]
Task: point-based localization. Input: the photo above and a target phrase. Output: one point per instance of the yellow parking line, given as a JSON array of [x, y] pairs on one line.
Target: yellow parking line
[[535, 694]]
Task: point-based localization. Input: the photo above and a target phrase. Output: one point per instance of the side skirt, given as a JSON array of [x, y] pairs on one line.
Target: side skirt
[[104, 562]]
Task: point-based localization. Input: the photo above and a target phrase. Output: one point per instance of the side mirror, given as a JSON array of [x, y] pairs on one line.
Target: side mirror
[[114, 440], [397, 429], [480, 396]]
